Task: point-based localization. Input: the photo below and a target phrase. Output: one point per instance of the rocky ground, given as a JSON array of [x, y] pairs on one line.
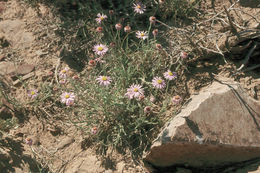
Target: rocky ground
[[30, 47]]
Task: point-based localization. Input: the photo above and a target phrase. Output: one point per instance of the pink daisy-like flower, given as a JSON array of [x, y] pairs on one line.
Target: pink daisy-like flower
[[32, 93], [67, 98], [100, 49], [176, 99], [63, 73], [158, 82], [100, 18], [104, 80], [94, 130], [170, 75], [142, 34], [135, 91], [139, 8]]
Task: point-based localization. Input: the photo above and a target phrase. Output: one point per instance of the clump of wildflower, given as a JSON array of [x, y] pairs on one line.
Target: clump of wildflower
[[152, 19], [176, 99], [147, 109], [99, 29], [158, 82], [100, 18], [104, 80], [32, 93], [127, 28], [155, 32], [135, 91], [68, 98], [28, 141], [142, 34], [184, 55], [139, 8], [170, 75], [100, 49], [94, 130], [118, 26], [63, 73]]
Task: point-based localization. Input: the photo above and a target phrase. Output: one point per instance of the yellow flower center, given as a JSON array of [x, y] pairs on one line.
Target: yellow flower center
[[170, 73], [142, 34], [159, 81], [63, 71], [135, 89], [138, 6], [100, 48], [102, 18], [104, 78], [67, 96], [32, 92]]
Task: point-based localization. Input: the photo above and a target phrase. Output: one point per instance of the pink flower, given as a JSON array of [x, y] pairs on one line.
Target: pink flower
[[32, 93], [28, 141], [147, 109], [170, 75], [99, 29], [155, 32], [63, 81], [158, 82], [176, 99], [100, 18], [127, 28], [139, 8], [118, 26], [184, 55], [135, 91], [67, 98], [142, 34], [152, 19], [94, 130], [104, 80], [100, 49], [152, 99], [63, 73]]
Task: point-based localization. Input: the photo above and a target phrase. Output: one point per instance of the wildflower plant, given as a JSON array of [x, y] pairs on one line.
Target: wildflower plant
[[122, 108]]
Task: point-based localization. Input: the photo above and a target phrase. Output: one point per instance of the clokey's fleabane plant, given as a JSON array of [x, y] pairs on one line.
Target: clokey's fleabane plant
[[104, 80], [100, 18], [100, 49], [170, 75], [142, 34], [135, 91], [68, 98], [139, 8], [158, 82]]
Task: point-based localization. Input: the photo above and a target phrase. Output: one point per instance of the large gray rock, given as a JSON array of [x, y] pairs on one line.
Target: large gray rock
[[219, 126]]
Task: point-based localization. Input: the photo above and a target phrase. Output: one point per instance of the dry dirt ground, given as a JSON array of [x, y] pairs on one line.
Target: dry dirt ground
[[28, 36]]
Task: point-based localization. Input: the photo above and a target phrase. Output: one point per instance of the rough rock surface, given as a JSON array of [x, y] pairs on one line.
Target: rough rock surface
[[220, 126]]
